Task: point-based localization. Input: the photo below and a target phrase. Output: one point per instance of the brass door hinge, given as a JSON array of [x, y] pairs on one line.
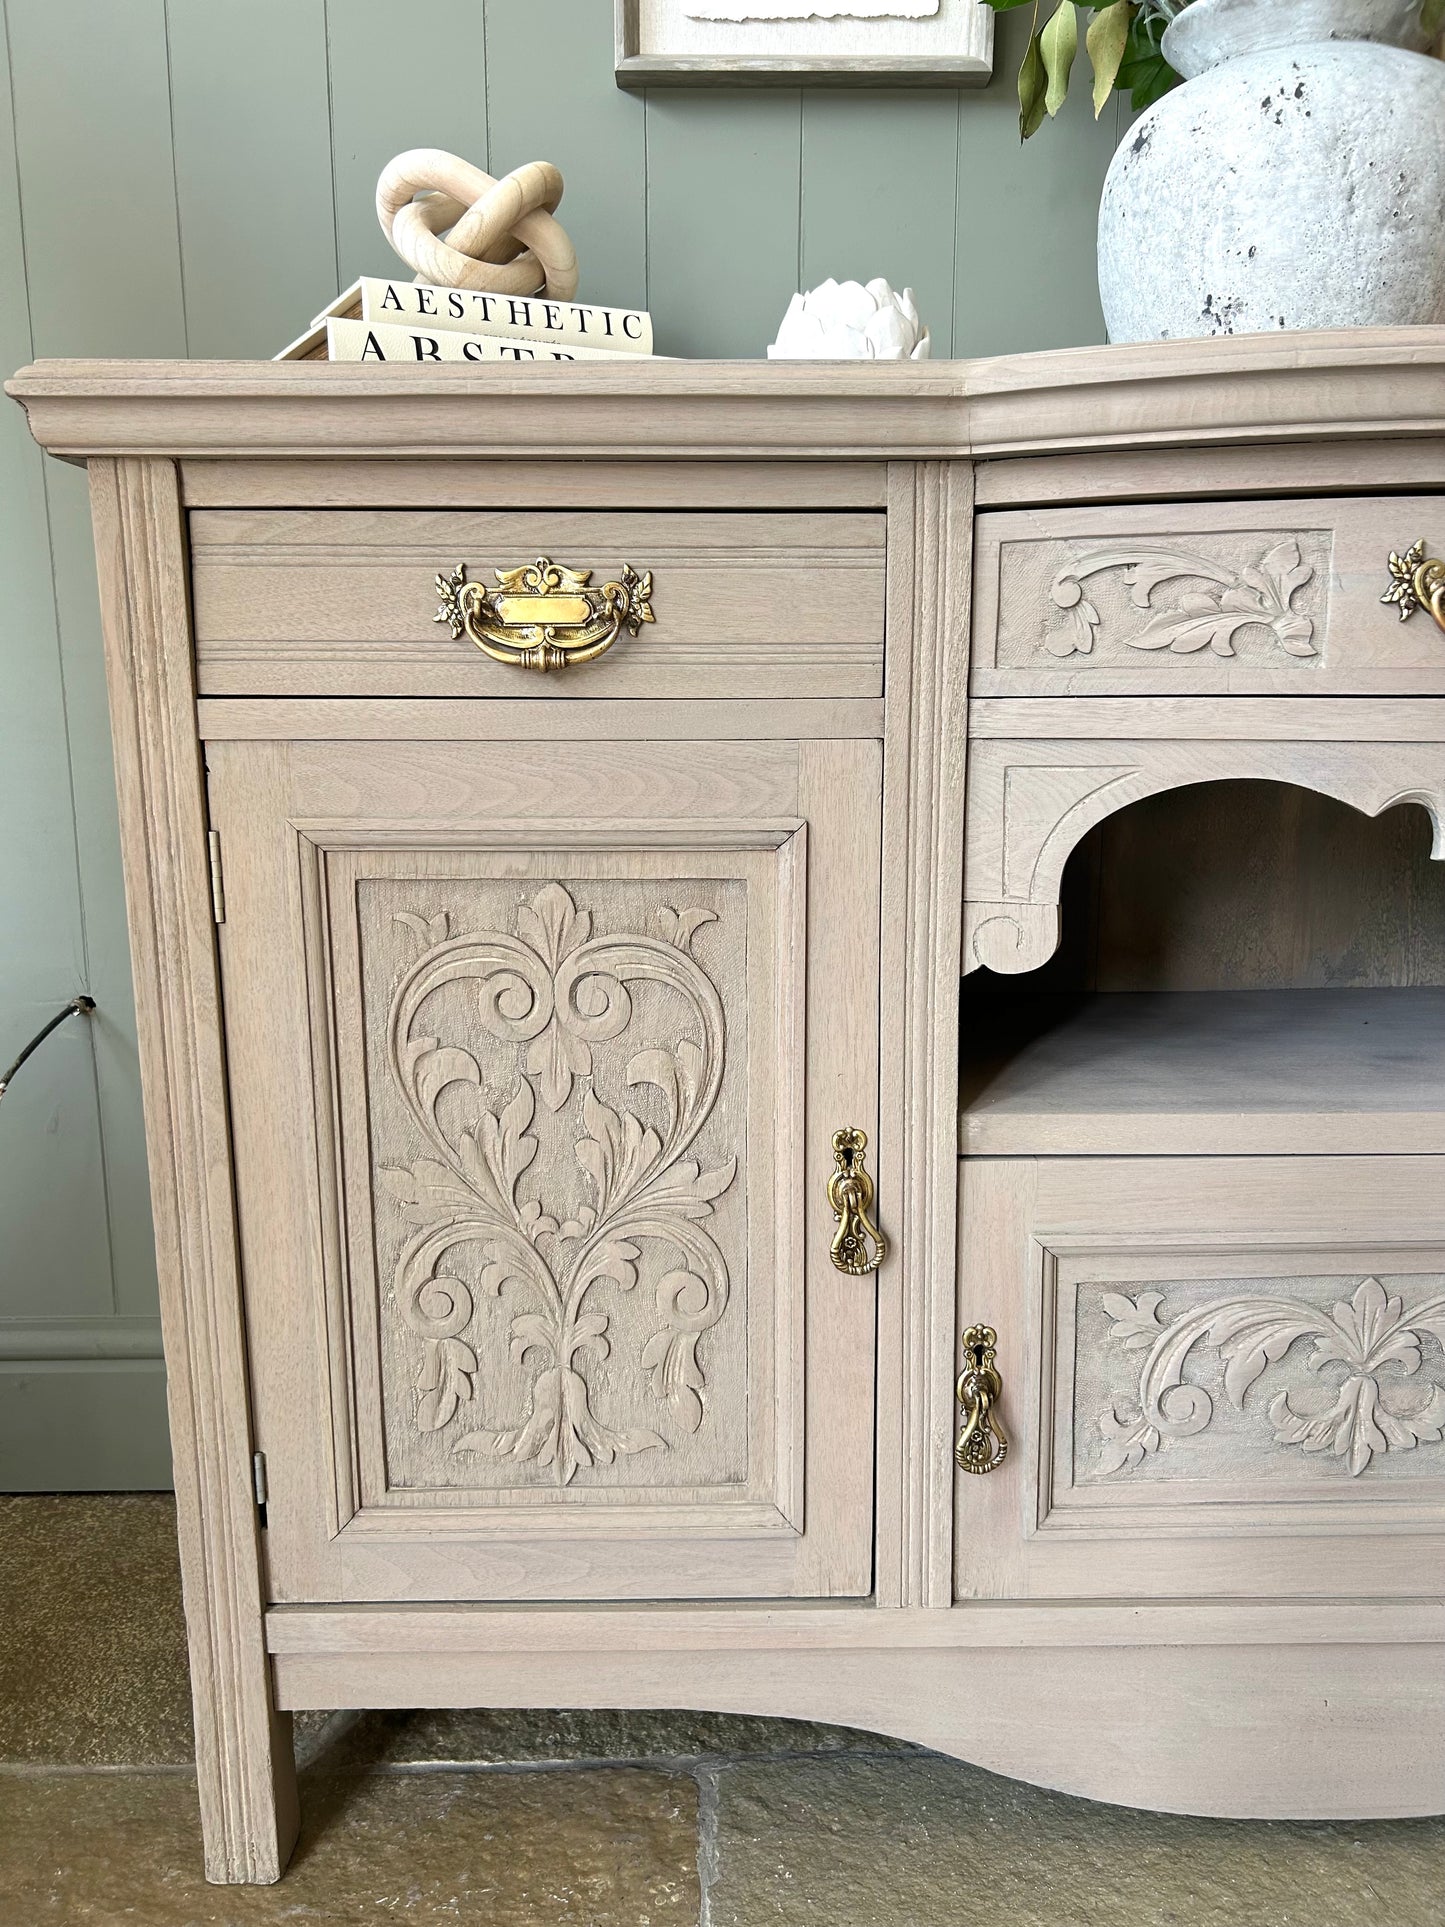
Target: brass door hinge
[[259, 1488], [218, 888]]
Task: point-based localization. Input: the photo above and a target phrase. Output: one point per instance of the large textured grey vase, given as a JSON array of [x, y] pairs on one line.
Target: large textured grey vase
[[1296, 180]]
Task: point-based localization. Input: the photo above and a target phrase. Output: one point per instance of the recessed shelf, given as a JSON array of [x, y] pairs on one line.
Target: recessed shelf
[[1204, 1073]]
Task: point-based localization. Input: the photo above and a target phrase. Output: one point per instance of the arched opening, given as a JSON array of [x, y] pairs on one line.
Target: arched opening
[[1252, 948]]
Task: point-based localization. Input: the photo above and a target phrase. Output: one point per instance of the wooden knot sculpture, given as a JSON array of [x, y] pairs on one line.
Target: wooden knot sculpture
[[502, 237]]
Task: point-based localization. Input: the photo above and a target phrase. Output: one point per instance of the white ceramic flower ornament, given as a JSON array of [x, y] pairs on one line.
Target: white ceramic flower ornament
[[844, 321]]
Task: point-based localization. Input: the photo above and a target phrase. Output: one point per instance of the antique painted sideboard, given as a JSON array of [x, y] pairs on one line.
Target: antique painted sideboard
[[793, 1023]]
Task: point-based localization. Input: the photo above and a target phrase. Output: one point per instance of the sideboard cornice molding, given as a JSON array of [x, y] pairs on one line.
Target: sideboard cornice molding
[[1306, 387]]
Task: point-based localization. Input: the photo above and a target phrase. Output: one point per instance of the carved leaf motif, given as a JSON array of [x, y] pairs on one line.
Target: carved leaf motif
[[689, 1190], [430, 929], [553, 925], [1259, 595], [1359, 1424], [1127, 1443], [434, 1068], [428, 1192], [616, 1153], [679, 927], [1198, 623], [550, 993], [1367, 1333], [1136, 1320], [554, 1058]]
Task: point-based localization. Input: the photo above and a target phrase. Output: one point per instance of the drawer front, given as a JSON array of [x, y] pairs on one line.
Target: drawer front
[[343, 602], [1234, 598], [1223, 1377]]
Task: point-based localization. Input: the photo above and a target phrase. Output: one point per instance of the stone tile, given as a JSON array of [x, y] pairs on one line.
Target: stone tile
[[93, 1667], [487, 1736], [927, 1842], [612, 1848], [93, 1655]]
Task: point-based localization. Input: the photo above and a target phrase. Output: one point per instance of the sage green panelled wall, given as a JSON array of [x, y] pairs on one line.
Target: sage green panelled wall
[[194, 177]]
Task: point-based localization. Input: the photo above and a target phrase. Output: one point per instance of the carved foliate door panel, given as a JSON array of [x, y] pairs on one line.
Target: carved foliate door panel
[[534, 1095], [1251, 1403]]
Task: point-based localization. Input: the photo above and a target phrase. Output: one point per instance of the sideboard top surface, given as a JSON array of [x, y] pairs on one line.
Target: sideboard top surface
[[1262, 388]]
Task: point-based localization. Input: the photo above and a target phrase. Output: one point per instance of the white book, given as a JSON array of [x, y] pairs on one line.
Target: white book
[[387, 341], [624, 331], [534, 317]]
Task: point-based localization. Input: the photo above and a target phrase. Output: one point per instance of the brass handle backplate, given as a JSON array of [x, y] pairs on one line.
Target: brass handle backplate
[[983, 1443], [858, 1245], [1417, 581], [543, 616]]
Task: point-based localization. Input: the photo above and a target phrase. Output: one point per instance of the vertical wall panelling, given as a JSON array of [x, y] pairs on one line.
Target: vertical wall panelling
[[1026, 271], [552, 96], [196, 177], [85, 1405], [879, 174], [52, 1193], [253, 169], [393, 88], [723, 216]]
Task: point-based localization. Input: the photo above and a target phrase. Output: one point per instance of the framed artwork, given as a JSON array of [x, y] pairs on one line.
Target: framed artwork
[[867, 43]]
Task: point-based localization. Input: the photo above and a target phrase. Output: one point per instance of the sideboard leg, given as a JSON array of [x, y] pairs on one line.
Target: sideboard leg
[[246, 1781], [245, 1768]]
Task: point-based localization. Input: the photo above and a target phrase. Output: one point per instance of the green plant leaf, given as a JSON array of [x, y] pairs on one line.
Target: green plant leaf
[[1144, 70], [1033, 86], [1106, 40], [1058, 44], [1432, 17]]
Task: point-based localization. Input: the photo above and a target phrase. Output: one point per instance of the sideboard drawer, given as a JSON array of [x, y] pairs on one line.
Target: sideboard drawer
[[295, 602], [1222, 1377], [1222, 598]]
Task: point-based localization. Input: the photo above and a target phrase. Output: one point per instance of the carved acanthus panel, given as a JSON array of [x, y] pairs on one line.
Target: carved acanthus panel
[[1284, 1380], [557, 1083], [1257, 595]]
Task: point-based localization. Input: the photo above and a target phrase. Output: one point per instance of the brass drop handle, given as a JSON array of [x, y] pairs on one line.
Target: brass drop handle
[[1417, 581], [543, 616], [858, 1245], [983, 1443]]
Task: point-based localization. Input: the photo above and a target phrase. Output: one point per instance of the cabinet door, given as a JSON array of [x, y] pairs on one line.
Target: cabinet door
[[537, 1051], [1222, 1377]]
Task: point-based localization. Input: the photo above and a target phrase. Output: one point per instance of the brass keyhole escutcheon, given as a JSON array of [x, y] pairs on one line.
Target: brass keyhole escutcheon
[[858, 1245], [1417, 581], [543, 616], [983, 1443]]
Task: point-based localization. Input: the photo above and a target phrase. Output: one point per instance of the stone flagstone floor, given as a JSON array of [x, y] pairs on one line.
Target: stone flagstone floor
[[577, 1819]]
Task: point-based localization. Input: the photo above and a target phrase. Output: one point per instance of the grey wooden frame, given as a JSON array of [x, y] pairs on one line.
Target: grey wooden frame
[[636, 70]]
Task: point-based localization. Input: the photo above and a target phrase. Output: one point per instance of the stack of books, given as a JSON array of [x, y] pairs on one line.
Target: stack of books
[[411, 321]]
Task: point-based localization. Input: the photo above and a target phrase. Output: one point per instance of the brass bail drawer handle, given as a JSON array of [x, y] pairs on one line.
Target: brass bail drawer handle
[[983, 1443], [1417, 581], [858, 1245], [543, 616]]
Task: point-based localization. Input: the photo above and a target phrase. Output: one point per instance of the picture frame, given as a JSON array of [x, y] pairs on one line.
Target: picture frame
[[860, 43]]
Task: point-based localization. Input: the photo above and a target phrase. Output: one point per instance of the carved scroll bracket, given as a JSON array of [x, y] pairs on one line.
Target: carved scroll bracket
[[1030, 803]]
